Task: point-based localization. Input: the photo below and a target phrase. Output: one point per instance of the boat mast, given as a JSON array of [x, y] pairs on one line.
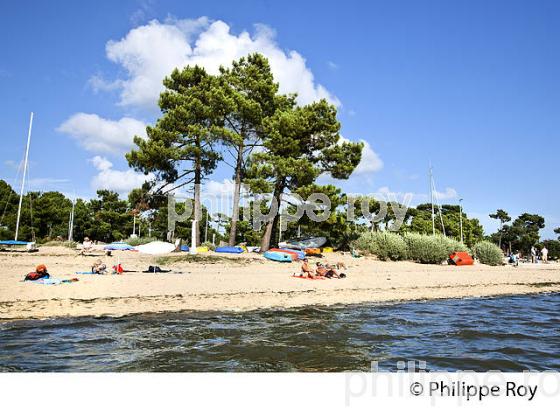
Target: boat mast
[[432, 200], [71, 223], [24, 174]]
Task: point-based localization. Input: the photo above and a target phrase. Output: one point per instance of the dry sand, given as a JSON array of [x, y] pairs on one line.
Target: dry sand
[[242, 282]]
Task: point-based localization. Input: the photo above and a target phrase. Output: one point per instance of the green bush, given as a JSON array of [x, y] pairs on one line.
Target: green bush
[[66, 244], [488, 253], [427, 248], [432, 248], [384, 245]]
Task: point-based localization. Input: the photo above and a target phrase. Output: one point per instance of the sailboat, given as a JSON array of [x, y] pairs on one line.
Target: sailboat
[[434, 197], [30, 246]]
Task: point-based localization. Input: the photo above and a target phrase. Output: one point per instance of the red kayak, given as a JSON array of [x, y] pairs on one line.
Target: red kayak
[[294, 255]]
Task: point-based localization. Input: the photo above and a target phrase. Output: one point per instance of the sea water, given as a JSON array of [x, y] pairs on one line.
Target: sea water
[[513, 333]]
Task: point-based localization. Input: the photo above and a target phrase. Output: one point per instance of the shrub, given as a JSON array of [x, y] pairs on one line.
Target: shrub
[[488, 253], [384, 245], [209, 245], [66, 244], [427, 248], [432, 248]]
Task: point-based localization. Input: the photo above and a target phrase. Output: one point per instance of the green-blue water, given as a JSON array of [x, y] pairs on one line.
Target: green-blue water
[[508, 333]]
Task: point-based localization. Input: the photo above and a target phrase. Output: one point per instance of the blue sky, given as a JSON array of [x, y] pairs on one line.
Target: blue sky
[[471, 86]]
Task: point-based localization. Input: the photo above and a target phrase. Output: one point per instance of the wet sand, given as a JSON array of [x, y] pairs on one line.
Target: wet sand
[[242, 282]]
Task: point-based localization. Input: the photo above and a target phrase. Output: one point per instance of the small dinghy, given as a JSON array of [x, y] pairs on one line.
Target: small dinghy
[[304, 243], [156, 248], [229, 249], [278, 256]]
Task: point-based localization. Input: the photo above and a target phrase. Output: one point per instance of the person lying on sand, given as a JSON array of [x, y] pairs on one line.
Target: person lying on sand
[[99, 267], [40, 273], [329, 271], [306, 269], [320, 270]]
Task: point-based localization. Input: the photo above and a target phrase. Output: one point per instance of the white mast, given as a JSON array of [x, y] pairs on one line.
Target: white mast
[[433, 192], [24, 174], [461, 217], [71, 223], [432, 200]]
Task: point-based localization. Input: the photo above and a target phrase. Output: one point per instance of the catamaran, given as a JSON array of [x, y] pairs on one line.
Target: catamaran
[[30, 246]]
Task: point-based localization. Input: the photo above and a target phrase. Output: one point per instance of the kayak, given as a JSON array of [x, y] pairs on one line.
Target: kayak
[[118, 246], [202, 249], [312, 251], [184, 248], [327, 250], [229, 249], [293, 255], [297, 254], [301, 244], [278, 256]]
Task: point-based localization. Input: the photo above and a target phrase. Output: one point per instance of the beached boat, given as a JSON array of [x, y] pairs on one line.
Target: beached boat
[[304, 243], [229, 249], [118, 246], [278, 256], [312, 251], [156, 248], [294, 252]]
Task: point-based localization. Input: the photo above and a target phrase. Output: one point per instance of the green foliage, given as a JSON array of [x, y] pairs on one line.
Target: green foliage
[[209, 245], [427, 248], [488, 253], [384, 245], [521, 234]]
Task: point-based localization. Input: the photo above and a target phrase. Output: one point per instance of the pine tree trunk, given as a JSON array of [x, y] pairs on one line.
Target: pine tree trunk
[[197, 200], [269, 228], [236, 195]]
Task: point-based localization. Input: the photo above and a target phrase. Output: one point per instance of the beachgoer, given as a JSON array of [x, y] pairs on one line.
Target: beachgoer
[[533, 254], [320, 270], [40, 273], [544, 254], [331, 272], [87, 246], [306, 269], [99, 267]]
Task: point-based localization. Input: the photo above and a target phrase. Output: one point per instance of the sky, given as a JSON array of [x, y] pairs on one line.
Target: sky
[[471, 87]]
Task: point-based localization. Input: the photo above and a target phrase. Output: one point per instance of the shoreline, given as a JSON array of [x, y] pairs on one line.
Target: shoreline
[[243, 283]]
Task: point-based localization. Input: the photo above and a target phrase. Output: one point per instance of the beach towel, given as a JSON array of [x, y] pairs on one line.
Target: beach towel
[[307, 277], [86, 273], [53, 281]]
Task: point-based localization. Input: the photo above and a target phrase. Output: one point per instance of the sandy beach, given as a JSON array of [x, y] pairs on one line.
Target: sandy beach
[[242, 282]]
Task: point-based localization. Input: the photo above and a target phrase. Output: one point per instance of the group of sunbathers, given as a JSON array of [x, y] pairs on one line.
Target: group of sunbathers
[[322, 270]]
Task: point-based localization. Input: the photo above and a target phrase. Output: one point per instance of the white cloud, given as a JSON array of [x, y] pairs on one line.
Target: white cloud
[[150, 52], [370, 163], [101, 135], [449, 193], [114, 180]]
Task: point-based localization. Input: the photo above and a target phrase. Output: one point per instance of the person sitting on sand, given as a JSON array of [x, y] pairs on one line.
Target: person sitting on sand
[[87, 246], [306, 269], [99, 267]]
